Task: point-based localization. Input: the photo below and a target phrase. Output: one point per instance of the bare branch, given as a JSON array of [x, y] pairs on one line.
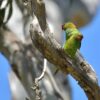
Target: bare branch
[[43, 72], [19, 57], [51, 50], [39, 10], [56, 56], [24, 58], [36, 83]]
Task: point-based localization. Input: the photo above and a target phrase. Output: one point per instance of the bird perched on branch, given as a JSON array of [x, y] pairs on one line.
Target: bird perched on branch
[[73, 39]]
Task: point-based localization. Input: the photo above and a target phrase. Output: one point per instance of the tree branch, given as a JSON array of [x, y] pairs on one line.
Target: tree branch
[[25, 61], [48, 46], [19, 56]]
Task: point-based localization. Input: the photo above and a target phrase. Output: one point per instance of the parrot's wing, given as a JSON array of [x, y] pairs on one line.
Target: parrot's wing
[[68, 36]]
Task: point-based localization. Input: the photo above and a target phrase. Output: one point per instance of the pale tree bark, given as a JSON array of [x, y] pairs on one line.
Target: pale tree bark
[[26, 64], [52, 51]]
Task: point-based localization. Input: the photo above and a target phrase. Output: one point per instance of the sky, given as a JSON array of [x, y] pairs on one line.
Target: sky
[[4, 84], [90, 49]]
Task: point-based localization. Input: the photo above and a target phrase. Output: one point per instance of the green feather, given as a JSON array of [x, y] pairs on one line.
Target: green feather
[[70, 31], [73, 40]]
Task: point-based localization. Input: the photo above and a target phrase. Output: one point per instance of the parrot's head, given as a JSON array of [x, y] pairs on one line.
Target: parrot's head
[[68, 25]]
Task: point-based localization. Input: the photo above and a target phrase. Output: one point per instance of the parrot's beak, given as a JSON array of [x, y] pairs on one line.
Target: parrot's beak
[[79, 37]]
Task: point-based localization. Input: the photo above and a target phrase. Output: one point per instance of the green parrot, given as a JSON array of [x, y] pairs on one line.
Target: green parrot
[[73, 39]]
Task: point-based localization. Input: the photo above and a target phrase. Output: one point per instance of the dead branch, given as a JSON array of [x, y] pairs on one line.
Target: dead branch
[[24, 59], [48, 46], [19, 56]]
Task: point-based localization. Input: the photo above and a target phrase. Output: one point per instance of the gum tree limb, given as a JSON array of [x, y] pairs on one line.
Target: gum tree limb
[[78, 68]]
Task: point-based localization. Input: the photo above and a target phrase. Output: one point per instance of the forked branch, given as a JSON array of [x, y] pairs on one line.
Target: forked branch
[[78, 68]]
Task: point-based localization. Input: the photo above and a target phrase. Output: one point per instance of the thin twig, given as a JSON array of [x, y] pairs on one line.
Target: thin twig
[[43, 72], [53, 52], [36, 83]]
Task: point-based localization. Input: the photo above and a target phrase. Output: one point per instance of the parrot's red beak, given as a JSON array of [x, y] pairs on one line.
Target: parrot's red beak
[[79, 37]]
